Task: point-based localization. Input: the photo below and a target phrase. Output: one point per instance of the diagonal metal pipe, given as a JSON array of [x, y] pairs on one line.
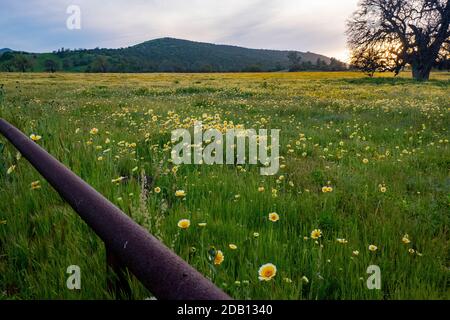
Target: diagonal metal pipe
[[160, 270]]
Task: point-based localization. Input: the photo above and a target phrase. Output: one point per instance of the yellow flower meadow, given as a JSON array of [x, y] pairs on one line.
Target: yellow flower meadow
[[332, 153], [219, 258], [274, 217], [316, 234], [184, 223], [267, 272]]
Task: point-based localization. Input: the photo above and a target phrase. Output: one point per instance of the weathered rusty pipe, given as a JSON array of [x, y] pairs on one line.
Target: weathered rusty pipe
[[161, 271]]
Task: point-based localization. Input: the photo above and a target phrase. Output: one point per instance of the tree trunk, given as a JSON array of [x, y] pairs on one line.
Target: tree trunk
[[421, 72]]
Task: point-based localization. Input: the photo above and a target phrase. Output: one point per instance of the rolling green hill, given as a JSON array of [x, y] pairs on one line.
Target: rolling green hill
[[163, 55], [3, 50]]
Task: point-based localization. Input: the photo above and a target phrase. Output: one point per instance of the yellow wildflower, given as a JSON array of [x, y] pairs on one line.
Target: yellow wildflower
[[274, 217], [219, 257], [117, 180], [180, 194], [35, 137], [184, 223], [35, 185], [11, 169], [316, 234], [405, 239], [267, 272]]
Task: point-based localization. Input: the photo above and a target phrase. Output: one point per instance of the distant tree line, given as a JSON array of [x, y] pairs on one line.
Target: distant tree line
[[65, 60], [168, 55], [85, 61], [15, 62], [296, 64]]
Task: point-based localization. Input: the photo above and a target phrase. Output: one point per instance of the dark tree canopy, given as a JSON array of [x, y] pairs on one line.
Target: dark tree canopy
[[396, 33], [368, 61], [21, 63], [295, 61], [51, 65]]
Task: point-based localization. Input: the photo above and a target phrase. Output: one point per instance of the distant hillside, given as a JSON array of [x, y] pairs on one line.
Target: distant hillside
[[165, 55], [181, 55], [4, 50]]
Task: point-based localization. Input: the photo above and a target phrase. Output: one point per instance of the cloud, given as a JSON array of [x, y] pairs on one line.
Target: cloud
[[40, 25]]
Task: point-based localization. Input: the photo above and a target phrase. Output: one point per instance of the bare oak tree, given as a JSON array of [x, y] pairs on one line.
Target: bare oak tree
[[401, 32]]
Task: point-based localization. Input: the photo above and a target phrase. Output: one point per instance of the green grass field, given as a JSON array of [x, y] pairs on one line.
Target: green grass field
[[381, 144]]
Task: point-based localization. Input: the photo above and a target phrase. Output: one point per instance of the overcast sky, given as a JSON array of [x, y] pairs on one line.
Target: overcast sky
[[304, 25]]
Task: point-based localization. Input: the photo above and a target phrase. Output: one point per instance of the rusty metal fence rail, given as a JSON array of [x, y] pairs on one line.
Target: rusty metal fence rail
[[160, 270]]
